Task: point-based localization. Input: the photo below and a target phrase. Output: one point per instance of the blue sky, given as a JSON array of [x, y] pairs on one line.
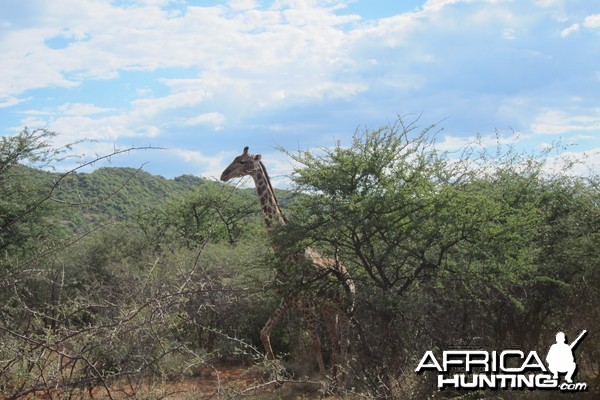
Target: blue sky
[[203, 79]]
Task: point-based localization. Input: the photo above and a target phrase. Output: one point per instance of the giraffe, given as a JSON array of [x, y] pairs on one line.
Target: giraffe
[[328, 303]]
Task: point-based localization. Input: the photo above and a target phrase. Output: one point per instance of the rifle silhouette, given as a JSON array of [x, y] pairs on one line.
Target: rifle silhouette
[[574, 342]]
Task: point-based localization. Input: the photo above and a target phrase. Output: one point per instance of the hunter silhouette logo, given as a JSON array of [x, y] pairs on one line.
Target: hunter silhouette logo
[[560, 356], [507, 369]]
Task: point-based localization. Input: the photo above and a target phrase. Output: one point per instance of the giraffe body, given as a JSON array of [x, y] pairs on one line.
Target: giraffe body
[[326, 303]]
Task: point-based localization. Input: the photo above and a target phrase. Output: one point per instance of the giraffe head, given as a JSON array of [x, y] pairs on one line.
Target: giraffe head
[[242, 165]]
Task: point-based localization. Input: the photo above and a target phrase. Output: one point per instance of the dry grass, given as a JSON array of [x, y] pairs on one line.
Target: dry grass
[[212, 382]]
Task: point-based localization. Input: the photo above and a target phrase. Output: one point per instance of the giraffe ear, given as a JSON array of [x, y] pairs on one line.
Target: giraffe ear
[[257, 157], [246, 150]]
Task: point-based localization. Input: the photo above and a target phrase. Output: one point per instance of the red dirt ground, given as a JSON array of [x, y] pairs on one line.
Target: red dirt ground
[[215, 382]]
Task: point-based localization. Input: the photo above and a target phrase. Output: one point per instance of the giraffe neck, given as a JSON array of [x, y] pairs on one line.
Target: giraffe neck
[[266, 195]]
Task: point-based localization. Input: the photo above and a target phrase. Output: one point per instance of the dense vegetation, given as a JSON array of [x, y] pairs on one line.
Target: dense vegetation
[[120, 279]]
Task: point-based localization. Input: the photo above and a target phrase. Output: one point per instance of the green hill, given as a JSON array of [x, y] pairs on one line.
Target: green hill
[[118, 194], [112, 193]]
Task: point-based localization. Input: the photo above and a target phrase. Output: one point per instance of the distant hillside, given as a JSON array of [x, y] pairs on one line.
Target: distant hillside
[[116, 194], [113, 193]]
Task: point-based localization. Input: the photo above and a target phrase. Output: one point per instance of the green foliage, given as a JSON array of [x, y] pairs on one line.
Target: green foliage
[[471, 249], [120, 277], [213, 212], [389, 201], [121, 193], [23, 195], [142, 274]]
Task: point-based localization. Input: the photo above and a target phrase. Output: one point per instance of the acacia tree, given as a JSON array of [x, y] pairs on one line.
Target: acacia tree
[[446, 249], [386, 206], [56, 330], [214, 212]]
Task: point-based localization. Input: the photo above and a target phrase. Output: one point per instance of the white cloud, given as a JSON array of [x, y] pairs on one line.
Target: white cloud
[[302, 49], [452, 142], [549, 3], [574, 163], [556, 122], [592, 21], [589, 22], [389, 32], [207, 166], [215, 119], [82, 121], [149, 107], [477, 61], [296, 50], [456, 143], [75, 128], [438, 5], [509, 34], [27, 64], [567, 31], [82, 109], [557, 161], [301, 40], [242, 4], [10, 101]]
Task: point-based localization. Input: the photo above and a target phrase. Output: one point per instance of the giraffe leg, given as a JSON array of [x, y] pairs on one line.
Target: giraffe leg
[[343, 329], [310, 318], [329, 316], [265, 332], [338, 330]]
